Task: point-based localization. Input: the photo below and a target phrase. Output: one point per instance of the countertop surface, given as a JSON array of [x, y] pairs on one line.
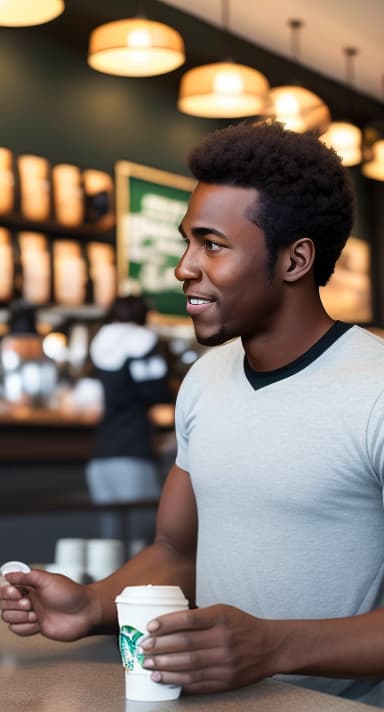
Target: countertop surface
[[37, 675], [17, 415]]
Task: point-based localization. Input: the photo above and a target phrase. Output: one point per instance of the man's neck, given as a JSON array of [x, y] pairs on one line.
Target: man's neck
[[286, 341]]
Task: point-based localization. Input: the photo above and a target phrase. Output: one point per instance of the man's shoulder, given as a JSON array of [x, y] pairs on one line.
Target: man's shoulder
[[364, 341], [360, 356]]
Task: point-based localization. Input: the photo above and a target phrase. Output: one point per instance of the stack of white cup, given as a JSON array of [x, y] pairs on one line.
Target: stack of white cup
[[87, 559], [104, 556]]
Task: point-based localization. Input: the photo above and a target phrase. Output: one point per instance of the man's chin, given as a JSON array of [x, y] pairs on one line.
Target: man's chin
[[211, 339]]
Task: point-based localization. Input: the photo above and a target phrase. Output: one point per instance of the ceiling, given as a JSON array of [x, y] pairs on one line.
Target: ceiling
[[329, 26]]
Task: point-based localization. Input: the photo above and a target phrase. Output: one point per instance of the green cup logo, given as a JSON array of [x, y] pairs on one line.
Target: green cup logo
[[128, 642]]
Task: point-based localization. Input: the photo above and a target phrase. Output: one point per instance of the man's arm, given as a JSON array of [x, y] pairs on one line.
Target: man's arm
[[63, 610], [170, 560]]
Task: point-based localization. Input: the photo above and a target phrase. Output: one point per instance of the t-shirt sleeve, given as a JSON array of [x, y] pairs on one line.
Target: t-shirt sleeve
[[375, 439], [181, 427], [189, 404]]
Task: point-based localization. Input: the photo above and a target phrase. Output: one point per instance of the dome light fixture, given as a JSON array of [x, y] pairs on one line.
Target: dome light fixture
[[223, 89], [375, 167], [298, 109], [294, 106], [24, 13], [343, 136], [135, 47]]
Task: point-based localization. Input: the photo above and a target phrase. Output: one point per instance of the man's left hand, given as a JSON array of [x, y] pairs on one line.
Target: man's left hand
[[210, 649]]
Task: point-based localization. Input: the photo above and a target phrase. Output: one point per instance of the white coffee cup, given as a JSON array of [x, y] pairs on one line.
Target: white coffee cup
[[136, 606], [72, 571], [71, 552], [104, 556]]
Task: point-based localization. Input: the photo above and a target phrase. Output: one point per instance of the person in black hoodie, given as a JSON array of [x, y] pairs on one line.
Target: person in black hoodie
[[134, 376]]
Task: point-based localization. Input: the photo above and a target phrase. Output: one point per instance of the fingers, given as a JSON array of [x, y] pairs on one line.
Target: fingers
[[187, 630], [196, 681], [18, 604], [16, 609], [198, 671], [25, 629], [200, 650], [34, 579], [180, 641], [196, 619], [197, 660], [17, 617], [9, 593]]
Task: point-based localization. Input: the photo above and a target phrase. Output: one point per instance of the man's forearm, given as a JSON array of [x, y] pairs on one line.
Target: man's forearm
[[158, 564], [340, 647]]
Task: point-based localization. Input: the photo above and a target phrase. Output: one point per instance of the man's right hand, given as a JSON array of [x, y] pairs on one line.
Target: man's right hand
[[39, 602]]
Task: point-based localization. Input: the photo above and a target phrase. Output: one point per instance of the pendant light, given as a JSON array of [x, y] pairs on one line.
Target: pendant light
[[373, 167], [135, 47], [343, 136], [294, 106], [223, 89], [24, 13], [345, 139]]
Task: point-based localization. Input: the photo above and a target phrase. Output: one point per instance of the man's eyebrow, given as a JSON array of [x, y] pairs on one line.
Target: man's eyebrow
[[202, 231]]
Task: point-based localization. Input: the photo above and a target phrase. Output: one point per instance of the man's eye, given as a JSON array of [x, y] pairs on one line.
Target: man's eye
[[211, 246]]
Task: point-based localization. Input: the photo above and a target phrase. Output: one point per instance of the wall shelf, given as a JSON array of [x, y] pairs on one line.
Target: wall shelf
[[100, 230]]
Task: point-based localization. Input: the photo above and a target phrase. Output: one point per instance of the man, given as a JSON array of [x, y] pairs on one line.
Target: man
[[272, 518]]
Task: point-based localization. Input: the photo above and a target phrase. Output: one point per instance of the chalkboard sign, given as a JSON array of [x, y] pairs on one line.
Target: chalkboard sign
[[150, 206]]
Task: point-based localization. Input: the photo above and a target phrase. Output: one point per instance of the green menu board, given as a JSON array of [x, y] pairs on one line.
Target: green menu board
[[150, 206]]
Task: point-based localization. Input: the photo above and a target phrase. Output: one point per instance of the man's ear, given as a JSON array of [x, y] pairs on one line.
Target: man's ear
[[299, 259]]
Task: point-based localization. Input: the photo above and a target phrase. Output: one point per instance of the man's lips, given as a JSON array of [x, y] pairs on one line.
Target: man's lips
[[198, 304]]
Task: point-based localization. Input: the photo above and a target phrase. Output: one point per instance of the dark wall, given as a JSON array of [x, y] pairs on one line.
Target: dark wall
[[54, 104]]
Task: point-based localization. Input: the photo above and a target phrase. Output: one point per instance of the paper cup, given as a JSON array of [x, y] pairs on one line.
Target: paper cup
[[104, 556], [72, 571], [70, 552], [136, 606]]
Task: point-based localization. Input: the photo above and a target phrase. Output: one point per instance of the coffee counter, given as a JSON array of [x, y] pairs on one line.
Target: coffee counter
[[43, 676], [40, 434], [45, 434]]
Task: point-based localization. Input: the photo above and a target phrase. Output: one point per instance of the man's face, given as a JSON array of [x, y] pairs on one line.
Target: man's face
[[227, 280]]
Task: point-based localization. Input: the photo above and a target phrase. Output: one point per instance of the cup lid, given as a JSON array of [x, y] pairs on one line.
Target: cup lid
[[12, 566], [169, 595]]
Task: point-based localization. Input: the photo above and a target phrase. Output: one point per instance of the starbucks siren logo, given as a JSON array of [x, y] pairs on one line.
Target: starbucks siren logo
[[128, 642]]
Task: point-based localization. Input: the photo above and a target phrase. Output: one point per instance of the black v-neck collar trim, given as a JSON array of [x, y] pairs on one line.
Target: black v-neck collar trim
[[259, 379]]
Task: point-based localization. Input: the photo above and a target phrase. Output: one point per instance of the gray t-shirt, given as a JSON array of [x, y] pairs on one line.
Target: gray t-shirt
[[288, 481]]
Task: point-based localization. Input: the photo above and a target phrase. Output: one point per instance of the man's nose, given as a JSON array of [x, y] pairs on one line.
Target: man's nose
[[188, 266]]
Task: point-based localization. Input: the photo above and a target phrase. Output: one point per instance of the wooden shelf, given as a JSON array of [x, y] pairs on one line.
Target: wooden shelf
[[97, 230], [28, 416]]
